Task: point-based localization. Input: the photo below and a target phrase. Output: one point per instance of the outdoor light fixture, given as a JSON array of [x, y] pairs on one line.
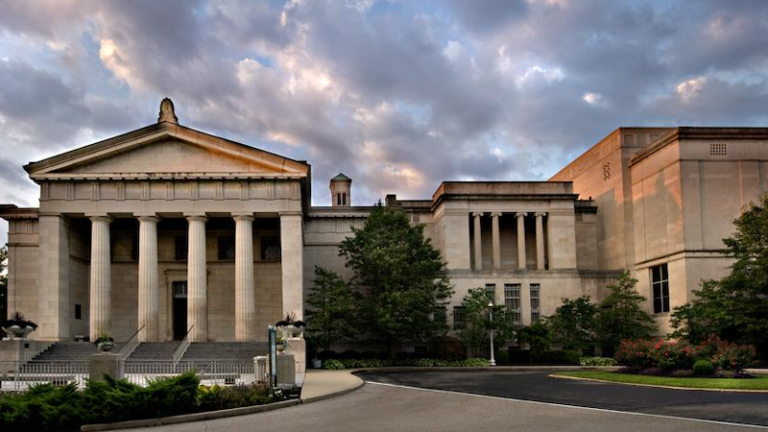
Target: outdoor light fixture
[[490, 311]]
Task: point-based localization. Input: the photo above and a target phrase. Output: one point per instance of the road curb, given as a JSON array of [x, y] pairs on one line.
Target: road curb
[[657, 386], [483, 369], [186, 418]]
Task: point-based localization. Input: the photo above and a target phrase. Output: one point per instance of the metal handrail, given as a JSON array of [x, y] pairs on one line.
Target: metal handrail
[[129, 347], [182, 348]]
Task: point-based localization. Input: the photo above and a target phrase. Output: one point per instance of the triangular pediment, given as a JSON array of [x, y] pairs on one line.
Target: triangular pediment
[[167, 150]]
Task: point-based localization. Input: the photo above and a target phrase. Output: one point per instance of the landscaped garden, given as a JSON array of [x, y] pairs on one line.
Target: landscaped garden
[[61, 408]]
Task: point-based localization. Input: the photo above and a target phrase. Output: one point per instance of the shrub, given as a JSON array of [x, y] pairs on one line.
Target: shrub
[[735, 357], [558, 357], [502, 357], [640, 354], [703, 368], [333, 364], [597, 361], [218, 398]]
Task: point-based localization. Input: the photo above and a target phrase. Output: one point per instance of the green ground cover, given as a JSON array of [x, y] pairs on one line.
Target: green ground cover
[[756, 383]]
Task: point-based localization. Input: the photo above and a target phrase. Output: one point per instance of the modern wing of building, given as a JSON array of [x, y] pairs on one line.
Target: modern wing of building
[[177, 232]]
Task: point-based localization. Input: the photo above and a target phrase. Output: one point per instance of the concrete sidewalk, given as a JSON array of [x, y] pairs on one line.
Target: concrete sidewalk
[[323, 384]]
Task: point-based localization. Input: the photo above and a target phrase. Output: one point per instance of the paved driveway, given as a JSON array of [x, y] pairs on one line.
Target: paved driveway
[[750, 408]]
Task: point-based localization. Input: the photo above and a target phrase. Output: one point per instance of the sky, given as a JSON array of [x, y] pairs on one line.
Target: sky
[[398, 95]]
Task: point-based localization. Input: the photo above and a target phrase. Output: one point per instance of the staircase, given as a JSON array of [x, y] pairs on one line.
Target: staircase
[[153, 351], [68, 352], [225, 351]]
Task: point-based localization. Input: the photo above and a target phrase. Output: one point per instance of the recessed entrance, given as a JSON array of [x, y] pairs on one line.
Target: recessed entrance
[[179, 309]]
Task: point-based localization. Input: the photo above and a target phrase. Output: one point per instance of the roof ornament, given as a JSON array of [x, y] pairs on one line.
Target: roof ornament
[[166, 112]]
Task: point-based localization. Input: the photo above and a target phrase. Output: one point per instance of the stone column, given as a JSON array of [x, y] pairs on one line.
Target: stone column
[[292, 263], [478, 241], [245, 300], [197, 289], [101, 277], [496, 240], [540, 240], [521, 264], [149, 295]]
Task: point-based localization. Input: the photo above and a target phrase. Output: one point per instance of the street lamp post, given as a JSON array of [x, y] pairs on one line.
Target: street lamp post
[[490, 311]]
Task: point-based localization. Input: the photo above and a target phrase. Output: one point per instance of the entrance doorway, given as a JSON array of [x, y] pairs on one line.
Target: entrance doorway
[[179, 309]]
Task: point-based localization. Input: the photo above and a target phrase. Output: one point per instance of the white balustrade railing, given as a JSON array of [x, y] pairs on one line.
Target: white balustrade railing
[[19, 376]]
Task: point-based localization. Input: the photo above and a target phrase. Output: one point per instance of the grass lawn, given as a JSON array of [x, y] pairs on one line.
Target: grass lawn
[[757, 383]]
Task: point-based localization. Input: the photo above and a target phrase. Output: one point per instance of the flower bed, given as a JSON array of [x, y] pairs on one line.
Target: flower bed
[[675, 354], [48, 408], [339, 364]]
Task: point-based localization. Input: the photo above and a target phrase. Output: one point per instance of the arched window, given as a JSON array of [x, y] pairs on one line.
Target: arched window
[[344, 199], [338, 199]]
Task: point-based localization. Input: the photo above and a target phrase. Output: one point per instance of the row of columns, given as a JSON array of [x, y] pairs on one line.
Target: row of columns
[[495, 238], [197, 290]]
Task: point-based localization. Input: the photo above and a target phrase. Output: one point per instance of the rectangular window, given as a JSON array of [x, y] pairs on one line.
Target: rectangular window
[[660, 285], [535, 288], [458, 317], [78, 312], [270, 249], [181, 248], [226, 248], [512, 300], [490, 290]]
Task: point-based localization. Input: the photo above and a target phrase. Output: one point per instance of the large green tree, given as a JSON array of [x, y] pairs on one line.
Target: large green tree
[[476, 329], [331, 310], [573, 324], [401, 276], [736, 306], [622, 316]]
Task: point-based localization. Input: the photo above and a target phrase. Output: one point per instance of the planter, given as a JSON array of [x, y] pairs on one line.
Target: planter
[[17, 332], [106, 346], [317, 364], [291, 330]]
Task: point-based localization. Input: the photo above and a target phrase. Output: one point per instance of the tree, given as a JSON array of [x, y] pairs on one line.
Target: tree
[[735, 307], [401, 276], [331, 311], [621, 315], [476, 330], [573, 324], [537, 337]]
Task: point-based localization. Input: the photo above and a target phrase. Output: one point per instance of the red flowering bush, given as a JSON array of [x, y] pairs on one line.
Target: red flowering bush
[[671, 354]]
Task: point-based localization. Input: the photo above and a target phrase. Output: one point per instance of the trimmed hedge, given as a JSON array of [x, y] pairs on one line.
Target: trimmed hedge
[[666, 355], [339, 364], [47, 408], [703, 368], [597, 361]]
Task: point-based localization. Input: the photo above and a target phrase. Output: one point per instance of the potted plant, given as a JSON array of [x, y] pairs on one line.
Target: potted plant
[[104, 343], [18, 327], [282, 345], [291, 326]]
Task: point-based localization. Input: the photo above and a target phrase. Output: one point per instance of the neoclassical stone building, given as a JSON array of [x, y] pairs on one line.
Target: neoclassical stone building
[[171, 231]]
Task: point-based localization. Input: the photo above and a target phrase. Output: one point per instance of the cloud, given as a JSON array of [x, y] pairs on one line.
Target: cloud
[[400, 95]]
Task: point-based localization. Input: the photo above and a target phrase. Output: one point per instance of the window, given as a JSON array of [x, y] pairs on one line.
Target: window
[[490, 290], [719, 149], [78, 312], [535, 315], [270, 249], [226, 248], [512, 300], [458, 317], [181, 248], [660, 285], [344, 199], [338, 199]]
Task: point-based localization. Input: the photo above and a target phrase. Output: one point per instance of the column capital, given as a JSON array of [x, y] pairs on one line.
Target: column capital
[[540, 214], [477, 214], [196, 217], [495, 214], [243, 217], [521, 214], [148, 218], [103, 217]]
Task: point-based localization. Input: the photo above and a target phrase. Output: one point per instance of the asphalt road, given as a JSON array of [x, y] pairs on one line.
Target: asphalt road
[[749, 408], [382, 407]]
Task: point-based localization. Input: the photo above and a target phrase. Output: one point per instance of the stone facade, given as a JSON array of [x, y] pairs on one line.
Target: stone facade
[[175, 232]]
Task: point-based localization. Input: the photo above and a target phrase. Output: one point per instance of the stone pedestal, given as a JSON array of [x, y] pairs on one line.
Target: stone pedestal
[[105, 364], [286, 370], [298, 348]]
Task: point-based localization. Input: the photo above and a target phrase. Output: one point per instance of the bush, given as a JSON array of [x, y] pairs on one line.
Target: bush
[[640, 354], [46, 408], [703, 368], [597, 361], [333, 364], [336, 364], [558, 357], [502, 357]]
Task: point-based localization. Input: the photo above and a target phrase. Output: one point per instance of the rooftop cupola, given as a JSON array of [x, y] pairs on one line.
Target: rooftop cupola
[[341, 191]]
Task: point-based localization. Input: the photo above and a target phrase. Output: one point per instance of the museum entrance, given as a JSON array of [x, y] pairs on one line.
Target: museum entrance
[[179, 310]]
